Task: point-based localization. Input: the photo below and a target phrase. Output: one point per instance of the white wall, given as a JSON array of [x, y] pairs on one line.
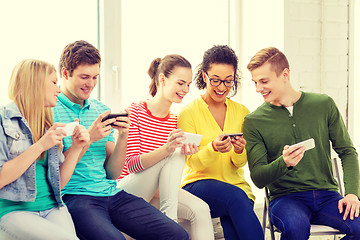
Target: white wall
[[260, 28], [262, 25], [317, 47], [41, 29], [354, 72], [157, 28]]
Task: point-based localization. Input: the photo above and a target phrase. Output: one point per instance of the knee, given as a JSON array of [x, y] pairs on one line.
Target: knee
[[198, 210], [179, 233], [239, 201], [292, 227], [177, 158], [199, 207], [296, 232], [240, 195], [355, 229]]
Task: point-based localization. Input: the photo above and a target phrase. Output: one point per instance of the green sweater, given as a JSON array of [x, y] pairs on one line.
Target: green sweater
[[269, 128]]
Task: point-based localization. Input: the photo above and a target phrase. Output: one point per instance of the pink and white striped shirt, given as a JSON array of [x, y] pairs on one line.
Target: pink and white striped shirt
[[146, 134]]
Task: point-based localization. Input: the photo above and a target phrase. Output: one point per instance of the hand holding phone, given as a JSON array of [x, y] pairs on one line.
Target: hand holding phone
[[69, 128], [115, 115], [231, 135], [308, 144]]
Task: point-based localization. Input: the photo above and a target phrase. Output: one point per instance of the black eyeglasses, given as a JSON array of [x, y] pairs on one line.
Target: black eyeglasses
[[216, 82]]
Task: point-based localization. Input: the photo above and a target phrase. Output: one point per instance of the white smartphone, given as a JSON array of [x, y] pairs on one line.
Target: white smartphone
[[69, 128], [192, 138], [308, 144]]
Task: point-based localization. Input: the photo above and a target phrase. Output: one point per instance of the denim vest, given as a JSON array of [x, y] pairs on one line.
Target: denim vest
[[15, 138]]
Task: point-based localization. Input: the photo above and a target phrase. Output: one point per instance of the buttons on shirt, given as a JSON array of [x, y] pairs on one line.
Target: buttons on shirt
[[294, 125]]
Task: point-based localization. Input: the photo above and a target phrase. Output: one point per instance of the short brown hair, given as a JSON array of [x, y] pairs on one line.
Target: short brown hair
[[77, 53], [271, 55]]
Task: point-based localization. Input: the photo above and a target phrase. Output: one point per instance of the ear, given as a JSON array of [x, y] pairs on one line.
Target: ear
[[161, 79], [286, 73], [204, 76], [64, 73]]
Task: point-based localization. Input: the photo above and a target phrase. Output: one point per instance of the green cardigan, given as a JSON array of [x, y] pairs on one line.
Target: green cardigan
[[269, 128]]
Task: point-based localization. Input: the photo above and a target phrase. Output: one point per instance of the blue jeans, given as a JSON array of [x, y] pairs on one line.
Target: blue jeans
[[232, 205], [104, 217], [293, 213]]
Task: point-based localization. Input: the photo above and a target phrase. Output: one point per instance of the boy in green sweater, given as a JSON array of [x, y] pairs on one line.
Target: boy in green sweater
[[302, 188]]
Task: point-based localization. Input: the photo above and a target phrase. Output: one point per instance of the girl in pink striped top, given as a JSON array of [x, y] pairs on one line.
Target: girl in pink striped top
[[155, 155]]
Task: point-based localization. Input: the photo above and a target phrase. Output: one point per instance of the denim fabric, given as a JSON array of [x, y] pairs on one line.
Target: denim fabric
[[15, 138], [53, 223], [292, 214], [97, 217], [232, 205]]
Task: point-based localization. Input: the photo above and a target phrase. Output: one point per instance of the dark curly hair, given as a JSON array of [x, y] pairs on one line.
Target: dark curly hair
[[77, 53], [218, 54]]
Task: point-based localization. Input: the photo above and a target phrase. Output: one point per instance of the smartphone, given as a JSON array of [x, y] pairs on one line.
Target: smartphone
[[308, 144], [232, 135], [114, 115], [69, 128], [192, 138]]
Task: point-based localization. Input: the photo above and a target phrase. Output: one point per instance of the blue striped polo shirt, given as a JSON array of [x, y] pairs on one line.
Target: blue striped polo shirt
[[89, 177]]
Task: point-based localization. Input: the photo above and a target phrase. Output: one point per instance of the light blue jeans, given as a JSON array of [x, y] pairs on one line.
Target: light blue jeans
[[54, 223]]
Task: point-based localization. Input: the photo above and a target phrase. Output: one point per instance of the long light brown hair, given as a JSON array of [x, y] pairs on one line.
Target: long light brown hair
[[27, 90]]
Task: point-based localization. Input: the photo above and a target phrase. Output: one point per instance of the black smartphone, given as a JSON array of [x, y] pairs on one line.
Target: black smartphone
[[114, 115], [232, 135]]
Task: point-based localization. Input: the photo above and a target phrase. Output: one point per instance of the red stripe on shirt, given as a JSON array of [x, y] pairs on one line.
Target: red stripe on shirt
[[146, 134]]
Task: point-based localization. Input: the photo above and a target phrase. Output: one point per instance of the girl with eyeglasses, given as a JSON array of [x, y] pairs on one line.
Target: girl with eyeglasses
[[215, 173]]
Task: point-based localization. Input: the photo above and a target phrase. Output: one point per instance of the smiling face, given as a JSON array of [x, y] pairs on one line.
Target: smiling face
[[51, 90], [177, 85], [218, 72], [79, 86], [272, 87]]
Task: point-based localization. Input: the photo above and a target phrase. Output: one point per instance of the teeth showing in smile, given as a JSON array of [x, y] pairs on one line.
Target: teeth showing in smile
[[220, 93], [265, 94], [180, 95]]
